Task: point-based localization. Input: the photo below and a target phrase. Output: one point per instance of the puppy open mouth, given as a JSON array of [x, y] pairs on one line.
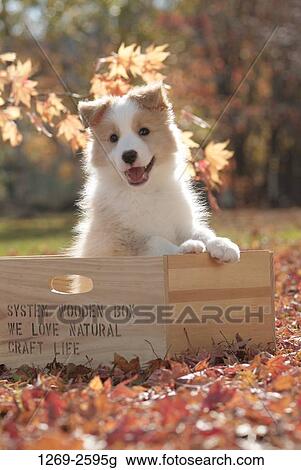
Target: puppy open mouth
[[139, 174]]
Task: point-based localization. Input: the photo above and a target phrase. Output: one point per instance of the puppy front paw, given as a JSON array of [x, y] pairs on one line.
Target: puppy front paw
[[192, 246], [224, 250]]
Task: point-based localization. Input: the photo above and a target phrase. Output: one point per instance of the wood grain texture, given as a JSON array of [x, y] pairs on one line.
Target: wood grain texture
[[225, 299], [121, 282], [37, 324]]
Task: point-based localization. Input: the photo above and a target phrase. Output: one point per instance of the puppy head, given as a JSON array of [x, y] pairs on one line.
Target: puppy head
[[136, 132]]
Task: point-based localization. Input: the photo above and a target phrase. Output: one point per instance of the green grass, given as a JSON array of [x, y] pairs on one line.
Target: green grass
[[264, 229], [48, 234]]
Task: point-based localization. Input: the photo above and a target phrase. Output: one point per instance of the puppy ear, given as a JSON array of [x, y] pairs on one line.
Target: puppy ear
[[92, 112], [152, 97]]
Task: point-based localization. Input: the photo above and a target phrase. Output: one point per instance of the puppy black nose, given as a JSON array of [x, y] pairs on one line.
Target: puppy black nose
[[129, 156]]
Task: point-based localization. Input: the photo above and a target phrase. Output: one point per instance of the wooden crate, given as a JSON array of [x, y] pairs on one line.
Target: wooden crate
[[137, 305]]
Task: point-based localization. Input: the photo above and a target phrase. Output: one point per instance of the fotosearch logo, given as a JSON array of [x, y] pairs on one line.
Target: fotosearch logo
[[153, 314]]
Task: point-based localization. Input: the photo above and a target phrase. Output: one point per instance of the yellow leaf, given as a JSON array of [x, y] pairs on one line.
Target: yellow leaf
[[11, 134], [72, 129], [50, 108], [22, 87], [187, 138], [153, 62], [101, 85], [156, 55], [190, 170], [123, 60], [217, 156], [4, 79], [96, 384], [283, 383], [13, 112], [69, 126], [130, 60], [9, 114], [150, 76], [8, 57]]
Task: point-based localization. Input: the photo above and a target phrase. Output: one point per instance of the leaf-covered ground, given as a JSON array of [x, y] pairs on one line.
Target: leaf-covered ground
[[194, 402]]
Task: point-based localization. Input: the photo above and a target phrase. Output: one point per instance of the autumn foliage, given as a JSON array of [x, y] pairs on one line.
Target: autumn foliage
[[20, 98]]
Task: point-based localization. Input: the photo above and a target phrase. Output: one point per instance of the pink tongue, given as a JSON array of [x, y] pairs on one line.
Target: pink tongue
[[135, 174]]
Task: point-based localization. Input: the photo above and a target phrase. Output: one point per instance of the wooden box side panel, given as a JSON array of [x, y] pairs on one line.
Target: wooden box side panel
[[37, 325], [214, 302]]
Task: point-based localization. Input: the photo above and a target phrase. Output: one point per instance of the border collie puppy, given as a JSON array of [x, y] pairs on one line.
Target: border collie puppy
[[134, 201]]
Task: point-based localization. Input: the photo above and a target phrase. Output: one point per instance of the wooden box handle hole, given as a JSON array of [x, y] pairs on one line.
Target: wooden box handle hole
[[71, 284]]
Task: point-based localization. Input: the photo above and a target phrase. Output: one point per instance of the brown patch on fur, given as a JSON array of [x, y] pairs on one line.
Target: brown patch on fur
[[104, 130], [92, 112], [160, 137], [152, 120], [152, 97]]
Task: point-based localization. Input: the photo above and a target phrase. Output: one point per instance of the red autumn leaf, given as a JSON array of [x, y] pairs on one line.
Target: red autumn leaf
[[161, 377], [31, 398], [277, 365], [55, 405], [178, 369], [121, 391], [217, 395], [56, 440], [126, 366], [201, 365]]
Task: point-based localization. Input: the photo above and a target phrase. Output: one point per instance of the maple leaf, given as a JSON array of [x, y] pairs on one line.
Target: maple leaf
[[11, 134], [121, 391], [55, 440], [283, 383], [155, 56], [8, 57], [153, 62], [4, 79], [9, 113], [178, 369], [22, 88], [50, 108], [72, 129], [217, 394], [137, 63], [161, 377], [129, 60], [277, 365], [190, 170], [121, 62], [96, 384], [55, 405], [125, 365], [101, 85], [217, 155], [201, 365], [187, 139]]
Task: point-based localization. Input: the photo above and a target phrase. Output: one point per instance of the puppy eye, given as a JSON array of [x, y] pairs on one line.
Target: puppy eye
[[144, 131], [113, 138]]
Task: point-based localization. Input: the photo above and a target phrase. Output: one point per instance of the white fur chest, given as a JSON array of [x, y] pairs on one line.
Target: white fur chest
[[159, 213]]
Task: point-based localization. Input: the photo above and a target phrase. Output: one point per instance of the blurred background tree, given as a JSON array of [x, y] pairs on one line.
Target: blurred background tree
[[212, 43]]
